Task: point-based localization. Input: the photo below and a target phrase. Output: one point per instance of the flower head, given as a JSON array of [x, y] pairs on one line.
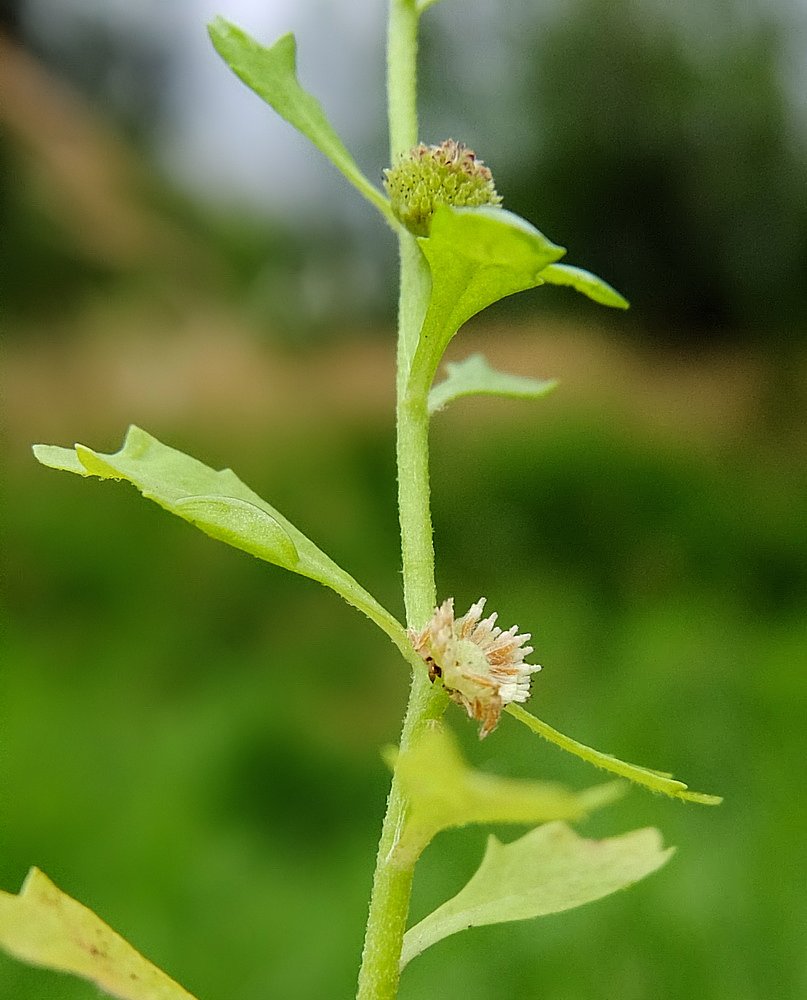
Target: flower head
[[428, 176], [482, 667]]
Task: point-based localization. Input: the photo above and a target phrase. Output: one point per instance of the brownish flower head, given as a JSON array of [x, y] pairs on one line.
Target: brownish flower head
[[482, 668], [428, 176]]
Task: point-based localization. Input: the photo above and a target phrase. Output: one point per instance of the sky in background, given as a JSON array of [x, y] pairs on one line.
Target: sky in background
[[219, 138], [221, 141]]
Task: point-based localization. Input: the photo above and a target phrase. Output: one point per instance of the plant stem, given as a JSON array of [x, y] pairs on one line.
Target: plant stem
[[402, 47], [392, 882], [414, 511]]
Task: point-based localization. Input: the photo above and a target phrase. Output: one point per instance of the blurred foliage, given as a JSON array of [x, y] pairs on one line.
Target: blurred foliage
[[298, 285], [163, 694], [42, 270], [669, 153]]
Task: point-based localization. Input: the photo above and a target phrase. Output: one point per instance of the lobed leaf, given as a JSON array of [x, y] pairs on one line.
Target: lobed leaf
[[223, 507], [272, 74], [656, 781], [476, 257], [474, 376], [43, 926], [586, 282], [444, 792], [548, 870]]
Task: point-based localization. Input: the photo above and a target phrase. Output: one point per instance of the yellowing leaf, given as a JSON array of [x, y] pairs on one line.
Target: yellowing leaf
[[548, 870], [43, 926], [444, 792], [656, 781]]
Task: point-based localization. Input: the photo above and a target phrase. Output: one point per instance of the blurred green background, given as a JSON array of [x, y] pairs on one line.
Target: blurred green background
[[190, 738]]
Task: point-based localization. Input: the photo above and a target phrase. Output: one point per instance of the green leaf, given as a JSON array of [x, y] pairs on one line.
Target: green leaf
[[656, 781], [476, 257], [42, 926], [444, 792], [221, 505], [549, 870], [423, 5], [586, 282], [231, 520], [474, 376], [272, 74]]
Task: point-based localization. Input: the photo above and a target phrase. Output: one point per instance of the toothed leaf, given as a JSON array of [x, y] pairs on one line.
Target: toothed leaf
[[548, 870], [272, 73], [223, 507]]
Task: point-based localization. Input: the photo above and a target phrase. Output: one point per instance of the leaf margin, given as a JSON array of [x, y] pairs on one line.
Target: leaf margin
[[473, 376], [243, 54], [311, 561], [43, 926], [655, 781], [652, 856]]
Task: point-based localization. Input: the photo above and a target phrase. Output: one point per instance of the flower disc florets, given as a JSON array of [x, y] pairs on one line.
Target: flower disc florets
[[428, 176], [482, 668]]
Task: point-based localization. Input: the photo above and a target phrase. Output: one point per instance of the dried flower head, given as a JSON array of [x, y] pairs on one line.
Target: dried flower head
[[427, 176], [482, 668]]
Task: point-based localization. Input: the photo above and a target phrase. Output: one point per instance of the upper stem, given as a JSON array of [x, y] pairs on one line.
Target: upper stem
[[402, 47], [414, 509]]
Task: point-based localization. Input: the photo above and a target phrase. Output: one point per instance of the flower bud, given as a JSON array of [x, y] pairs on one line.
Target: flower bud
[[428, 176]]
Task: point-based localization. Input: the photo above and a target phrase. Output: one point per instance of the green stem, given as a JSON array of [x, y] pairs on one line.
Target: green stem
[[402, 48], [414, 510], [392, 881]]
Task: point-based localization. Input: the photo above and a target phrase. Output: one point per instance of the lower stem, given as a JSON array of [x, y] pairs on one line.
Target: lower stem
[[392, 882]]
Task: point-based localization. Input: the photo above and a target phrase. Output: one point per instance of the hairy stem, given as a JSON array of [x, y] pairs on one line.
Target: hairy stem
[[392, 881]]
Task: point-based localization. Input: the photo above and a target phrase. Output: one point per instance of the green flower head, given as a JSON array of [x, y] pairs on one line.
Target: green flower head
[[428, 176]]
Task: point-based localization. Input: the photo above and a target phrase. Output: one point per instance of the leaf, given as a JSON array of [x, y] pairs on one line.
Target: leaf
[[223, 507], [656, 781], [43, 926], [586, 282], [423, 5], [548, 870], [444, 792], [231, 520], [272, 74], [476, 257], [474, 376]]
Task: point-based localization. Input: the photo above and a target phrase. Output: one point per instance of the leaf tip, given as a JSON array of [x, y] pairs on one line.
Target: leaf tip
[[54, 457], [218, 27], [702, 798]]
